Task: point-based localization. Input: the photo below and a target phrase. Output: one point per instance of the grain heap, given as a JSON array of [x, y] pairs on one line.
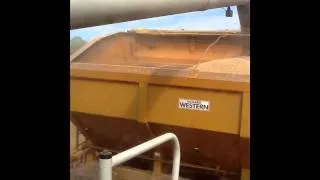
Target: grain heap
[[237, 65]]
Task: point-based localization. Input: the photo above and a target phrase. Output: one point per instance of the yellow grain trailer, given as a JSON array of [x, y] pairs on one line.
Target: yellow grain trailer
[[131, 86]]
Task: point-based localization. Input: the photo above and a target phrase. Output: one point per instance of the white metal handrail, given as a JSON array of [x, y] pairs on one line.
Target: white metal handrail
[[107, 162]]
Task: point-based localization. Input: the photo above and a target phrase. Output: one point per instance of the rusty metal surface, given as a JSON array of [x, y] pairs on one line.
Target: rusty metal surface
[[198, 147]]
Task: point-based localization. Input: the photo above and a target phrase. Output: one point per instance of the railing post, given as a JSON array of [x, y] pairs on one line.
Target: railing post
[[105, 165]]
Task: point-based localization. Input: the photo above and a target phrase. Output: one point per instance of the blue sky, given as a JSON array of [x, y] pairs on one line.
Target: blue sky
[[202, 20]]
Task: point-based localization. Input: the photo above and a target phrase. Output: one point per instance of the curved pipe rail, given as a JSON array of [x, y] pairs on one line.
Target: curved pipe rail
[[107, 162]]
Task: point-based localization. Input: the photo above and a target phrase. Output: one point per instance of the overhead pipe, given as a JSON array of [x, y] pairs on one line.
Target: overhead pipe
[[87, 13], [244, 17]]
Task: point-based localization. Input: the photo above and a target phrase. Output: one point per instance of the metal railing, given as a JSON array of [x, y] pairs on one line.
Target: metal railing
[[107, 161]]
